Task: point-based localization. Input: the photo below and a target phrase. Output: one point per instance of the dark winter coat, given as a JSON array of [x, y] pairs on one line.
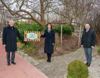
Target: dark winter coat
[[49, 39], [88, 38], [10, 38]]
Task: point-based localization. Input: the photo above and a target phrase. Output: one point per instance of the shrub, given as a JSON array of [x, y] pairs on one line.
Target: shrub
[[24, 26], [66, 29], [99, 49], [77, 69], [72, 28]]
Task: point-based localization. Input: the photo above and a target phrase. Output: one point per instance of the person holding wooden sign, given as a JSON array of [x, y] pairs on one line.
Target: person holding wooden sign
[[49, 35], [9, 41]]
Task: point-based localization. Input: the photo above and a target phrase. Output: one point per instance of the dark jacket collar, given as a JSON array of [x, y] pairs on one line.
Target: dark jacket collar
[[85, 29], [11, 27], [50, 30], [88, 31]]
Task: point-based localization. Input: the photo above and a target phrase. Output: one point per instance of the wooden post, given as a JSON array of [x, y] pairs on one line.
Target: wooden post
[[61, 38], [79, 41]]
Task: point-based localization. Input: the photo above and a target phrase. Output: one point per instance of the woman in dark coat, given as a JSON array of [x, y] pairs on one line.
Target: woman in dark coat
[[49, 35]]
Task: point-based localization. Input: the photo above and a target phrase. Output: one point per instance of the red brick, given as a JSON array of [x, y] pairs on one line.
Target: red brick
[[22, 69]]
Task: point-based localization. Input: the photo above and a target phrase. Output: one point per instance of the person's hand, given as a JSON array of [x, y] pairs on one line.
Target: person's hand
[[39, 35], [92, 46], [25, 39], [53, 43], [82, 46]]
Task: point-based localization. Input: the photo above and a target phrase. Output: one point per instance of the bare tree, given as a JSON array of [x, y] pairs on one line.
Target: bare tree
[[27, 9], [74, 12]]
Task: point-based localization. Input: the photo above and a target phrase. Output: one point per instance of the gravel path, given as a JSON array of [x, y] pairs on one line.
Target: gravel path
[[95, 67], [58, 67]]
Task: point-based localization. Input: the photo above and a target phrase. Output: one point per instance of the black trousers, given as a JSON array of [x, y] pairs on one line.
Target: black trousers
[[49, 56], [12, 57]]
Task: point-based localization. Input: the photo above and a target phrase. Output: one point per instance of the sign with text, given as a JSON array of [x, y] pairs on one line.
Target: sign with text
[[32, 35]]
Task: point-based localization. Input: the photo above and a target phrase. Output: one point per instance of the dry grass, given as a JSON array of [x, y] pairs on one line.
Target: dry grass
[[69, 44]]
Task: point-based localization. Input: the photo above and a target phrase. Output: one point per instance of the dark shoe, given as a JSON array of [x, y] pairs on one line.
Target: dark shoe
[[13, 63], [49, 60], [88, 65], [8, 64]]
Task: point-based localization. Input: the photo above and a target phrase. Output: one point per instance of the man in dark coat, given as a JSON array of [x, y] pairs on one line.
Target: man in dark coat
[[9, 40], [49, 35], [88, 42]]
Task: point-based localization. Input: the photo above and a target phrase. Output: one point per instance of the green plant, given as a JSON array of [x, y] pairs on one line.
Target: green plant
[[77, 69], [24, 26], [66, 29], [99, 49], [72, 28]]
